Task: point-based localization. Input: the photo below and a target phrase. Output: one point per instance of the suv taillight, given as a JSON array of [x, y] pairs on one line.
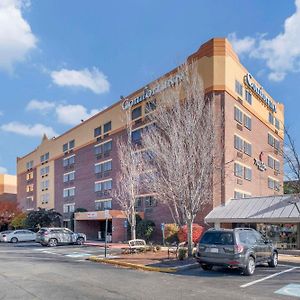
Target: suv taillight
[[238, 249]]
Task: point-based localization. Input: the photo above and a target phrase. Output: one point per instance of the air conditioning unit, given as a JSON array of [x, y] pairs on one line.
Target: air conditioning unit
[[99, 139], [239, 181], [99, 156]]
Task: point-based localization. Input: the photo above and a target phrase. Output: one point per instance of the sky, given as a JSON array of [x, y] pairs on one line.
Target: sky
[[63, 60]]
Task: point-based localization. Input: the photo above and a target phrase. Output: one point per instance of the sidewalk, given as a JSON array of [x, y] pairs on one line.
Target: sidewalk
[[291, 259], [102, 244]]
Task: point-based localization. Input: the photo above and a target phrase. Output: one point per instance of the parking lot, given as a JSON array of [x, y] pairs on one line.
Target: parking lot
[[29, 271]]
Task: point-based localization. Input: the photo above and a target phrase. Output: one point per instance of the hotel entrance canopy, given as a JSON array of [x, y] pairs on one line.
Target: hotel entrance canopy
[[99, 215], [270, 209]]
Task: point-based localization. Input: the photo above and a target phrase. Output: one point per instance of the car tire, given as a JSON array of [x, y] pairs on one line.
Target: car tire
[[14, 240], [206, 267], [250, 267], [52, 243], [274, 260], [80, 241]]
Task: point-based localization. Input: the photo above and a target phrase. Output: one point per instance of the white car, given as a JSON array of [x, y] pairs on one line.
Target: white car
[[15, 236]]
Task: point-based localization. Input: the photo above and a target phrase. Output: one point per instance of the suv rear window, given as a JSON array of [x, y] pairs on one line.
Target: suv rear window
[[41, 231], [219, 238]]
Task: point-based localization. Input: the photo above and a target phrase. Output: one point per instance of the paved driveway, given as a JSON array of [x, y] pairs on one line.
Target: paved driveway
[[29, 271]]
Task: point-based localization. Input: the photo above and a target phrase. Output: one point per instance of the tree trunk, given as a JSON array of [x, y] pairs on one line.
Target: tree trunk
[[133, 225], [190, 237]]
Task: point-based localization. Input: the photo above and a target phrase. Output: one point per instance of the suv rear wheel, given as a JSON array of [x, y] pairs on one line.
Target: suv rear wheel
[[206, 267], [250, 268], [274, 260], [52, 242]]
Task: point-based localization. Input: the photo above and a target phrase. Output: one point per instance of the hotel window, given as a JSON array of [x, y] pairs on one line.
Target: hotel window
[[138, 202], [238, 143], [277, 124], [136, 113], [29, 165], [69, 161], [273, 163], [29, 176], [45, 198], [103, 167], [29, 202], [247, 173], [69, 146], [103, 204], [44, 171], [45, 157], [150, 106], [247, 148], [272, 141], [238, 115], [136, 136], [69, 176], [248, 97], [69, 208], [150, 201], [103, 186], [273, 184], [247, 122], [103, 148], [240, 195], [29, 188], [107, 127], [45, 185], [239, 88], [70, 192], [271, 118], [97, 131], [238, 170]]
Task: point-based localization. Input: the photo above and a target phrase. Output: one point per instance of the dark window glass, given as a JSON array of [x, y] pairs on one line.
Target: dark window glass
[[238, 143], [136, 135], [239, 88], [238, 115], [271, 118], [249, 97], [72, 144], [136, 113], [107, 146], [107, 127], [65, 147], [247, 148], [247, 122], [218, 238], [97, 131], [150, 106]]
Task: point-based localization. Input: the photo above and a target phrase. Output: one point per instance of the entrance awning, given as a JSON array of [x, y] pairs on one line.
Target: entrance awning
[[270, 209], [99, 215]]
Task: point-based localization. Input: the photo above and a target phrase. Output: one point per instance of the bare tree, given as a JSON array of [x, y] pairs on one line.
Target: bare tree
[[182, 149], [128, 183], [292, 163]]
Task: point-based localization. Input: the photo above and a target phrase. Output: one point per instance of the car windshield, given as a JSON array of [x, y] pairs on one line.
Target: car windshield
[[221, 238]]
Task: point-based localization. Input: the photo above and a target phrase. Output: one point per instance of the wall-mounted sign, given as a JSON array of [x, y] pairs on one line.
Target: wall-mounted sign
[[92, 215], [259, 92], [259, 162], [171, 82]]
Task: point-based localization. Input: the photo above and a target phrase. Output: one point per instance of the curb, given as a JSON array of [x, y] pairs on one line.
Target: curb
[[142, 267]]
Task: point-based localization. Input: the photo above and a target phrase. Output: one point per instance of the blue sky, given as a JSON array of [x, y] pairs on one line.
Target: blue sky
[[61, 61]]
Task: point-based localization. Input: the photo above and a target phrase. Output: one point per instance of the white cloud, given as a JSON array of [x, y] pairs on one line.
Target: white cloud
[[42, 106], [93, 80], [73, 114], [281, 53], [16, 37], [241, 46], [36, 130], [3, 170]]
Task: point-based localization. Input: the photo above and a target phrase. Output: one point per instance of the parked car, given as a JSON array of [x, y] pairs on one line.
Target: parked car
[[242, 248], [54, 236], [15, 236]]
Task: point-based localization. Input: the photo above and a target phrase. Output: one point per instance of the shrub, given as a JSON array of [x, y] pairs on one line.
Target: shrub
[[171, 231], [19, 221], [182, 252], [197, 232], [145, 229]]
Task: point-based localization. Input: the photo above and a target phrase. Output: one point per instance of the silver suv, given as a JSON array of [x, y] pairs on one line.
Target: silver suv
[[54, 236]]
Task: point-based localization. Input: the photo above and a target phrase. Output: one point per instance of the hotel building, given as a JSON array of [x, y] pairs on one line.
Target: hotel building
[[78, 169]]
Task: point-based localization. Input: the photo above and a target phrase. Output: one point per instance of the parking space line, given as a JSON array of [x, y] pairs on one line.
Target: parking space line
[[268, 277]]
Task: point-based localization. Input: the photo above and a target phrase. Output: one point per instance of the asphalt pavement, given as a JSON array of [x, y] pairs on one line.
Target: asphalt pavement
[[29, 271]]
